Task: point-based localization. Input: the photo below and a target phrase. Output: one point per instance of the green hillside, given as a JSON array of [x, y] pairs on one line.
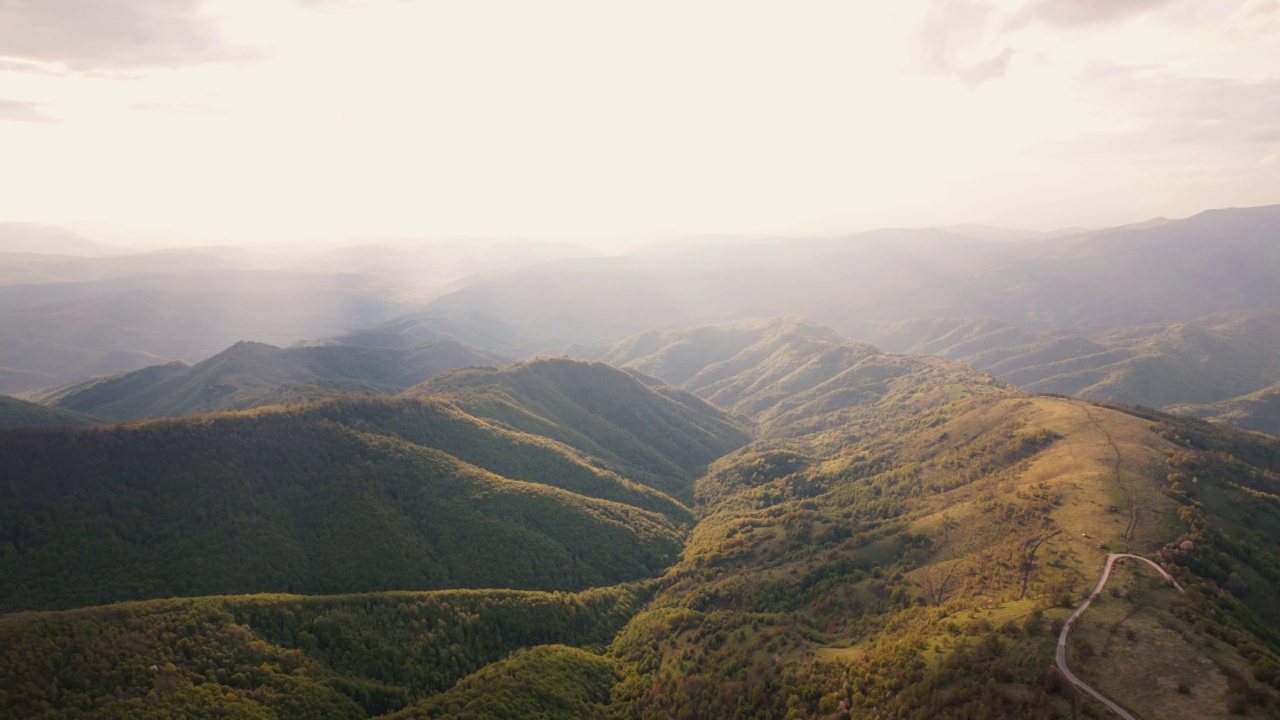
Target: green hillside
[[792, 375], [663, 439], [552, 681], [1209, 360], [249, 375], [904, 537], [924, 572], [286, 656], [320, 501], [1258, 411], [19, 413]]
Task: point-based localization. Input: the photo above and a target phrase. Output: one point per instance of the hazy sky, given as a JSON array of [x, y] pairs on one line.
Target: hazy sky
[[261, 119]]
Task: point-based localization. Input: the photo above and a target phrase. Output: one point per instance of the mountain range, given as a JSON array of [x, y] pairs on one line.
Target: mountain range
[[930, 473]]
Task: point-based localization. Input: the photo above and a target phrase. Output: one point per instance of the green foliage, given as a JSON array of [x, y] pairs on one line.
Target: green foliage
[[292, 656], [300, 502], [632, 429], [551, 682], [20, 413], [248, 375]]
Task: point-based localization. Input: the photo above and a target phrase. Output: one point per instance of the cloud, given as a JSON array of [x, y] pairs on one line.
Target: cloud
[[954, 37], [86, 35], [1171, 110], [974, 40], [1079, 13], [19, 111], [1254, 18]]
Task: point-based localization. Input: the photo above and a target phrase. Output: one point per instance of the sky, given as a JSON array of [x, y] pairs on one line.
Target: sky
[[260, 120]]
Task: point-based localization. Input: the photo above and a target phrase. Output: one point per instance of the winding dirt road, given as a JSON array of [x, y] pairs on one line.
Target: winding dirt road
[[1062, 637]]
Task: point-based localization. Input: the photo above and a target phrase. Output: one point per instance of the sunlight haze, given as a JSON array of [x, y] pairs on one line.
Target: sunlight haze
[[259, 120]]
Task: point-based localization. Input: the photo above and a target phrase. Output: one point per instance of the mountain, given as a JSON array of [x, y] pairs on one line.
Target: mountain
[[249, 375], [659, 436], [926, 571], [18, 237], [903, 537], [46, 267], [1213, 262], [416, 328], [1258, 411], [789, 373], [52, 334], [347, 496], [20, 413], [1174, 366], [1166, 272], [586, 301]]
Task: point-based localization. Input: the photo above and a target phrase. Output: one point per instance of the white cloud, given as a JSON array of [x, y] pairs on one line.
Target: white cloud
[[84, 35], [19, 111]]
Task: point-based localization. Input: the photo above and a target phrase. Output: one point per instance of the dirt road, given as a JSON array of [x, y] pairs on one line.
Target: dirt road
[[1062, 637]]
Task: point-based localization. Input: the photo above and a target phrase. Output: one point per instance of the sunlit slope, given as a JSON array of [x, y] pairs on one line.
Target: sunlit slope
[[1209, 360], [551, 681], [286, 656], [661, 438], [1256, 411], [793, 376], [919, 571], [20, 413], [342, 498], [249, 375]]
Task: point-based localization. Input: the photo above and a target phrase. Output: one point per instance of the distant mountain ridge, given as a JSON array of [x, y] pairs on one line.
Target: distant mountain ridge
[[1175, 366], [248, 375], [789, 373]]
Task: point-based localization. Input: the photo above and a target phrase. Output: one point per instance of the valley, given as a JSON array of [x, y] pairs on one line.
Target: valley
[[756, 517], [412, 360]]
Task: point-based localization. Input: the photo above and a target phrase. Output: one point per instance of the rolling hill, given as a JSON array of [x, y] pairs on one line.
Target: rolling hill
[[927, 571], [1178, 367], [359, 495], [20, 413], [790, 374], [659, 436], [249, 375], [273, 656], [905, 539], [915, 556]]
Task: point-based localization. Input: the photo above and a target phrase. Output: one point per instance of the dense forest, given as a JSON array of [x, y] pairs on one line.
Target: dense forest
[[908, 538], [351, 495]]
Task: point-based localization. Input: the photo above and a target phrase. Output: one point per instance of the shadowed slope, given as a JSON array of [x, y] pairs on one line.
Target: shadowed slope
[[661, 438]]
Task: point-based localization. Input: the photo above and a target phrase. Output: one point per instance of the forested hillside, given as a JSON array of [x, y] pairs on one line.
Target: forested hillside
[[20, 413], [249, 375], [662, 438], [353, 495], [1223, 358], [912, 554], [286, 656], [790, 374], [926, 571]]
